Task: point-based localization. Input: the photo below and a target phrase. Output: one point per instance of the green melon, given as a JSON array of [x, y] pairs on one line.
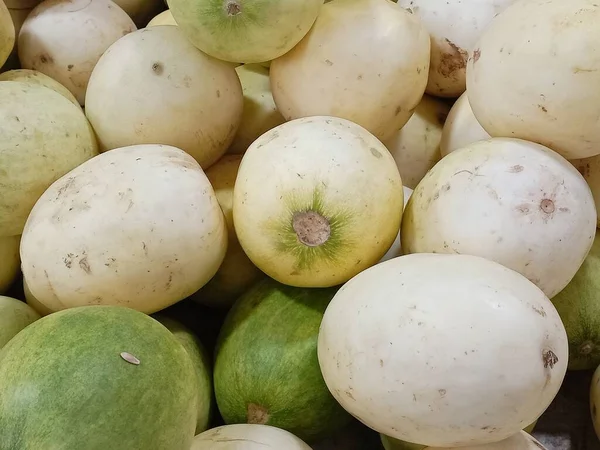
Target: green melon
[[15, 315], [201, 362], [579, 307], [245, 31], [96, 378], [266, 368]]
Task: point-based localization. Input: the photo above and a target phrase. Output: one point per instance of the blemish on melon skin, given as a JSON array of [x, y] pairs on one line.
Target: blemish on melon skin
[[130, 358]]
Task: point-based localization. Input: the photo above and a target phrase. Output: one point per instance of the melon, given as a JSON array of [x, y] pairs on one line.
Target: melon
[[236, 273], [559, 109], [579, 307], [43, 137], [454, 26], [65, 39], [590, 169], [7, 34], [138, 226], [164, 18], [333, 209], [519, 441], [245, 31], [509, 200], [363, 60], [119, 371], [416, 146], [38, 78], [260, 113], [10, 261], [461, 127], [266, 369], [247, 437], [202, 366], [15, 315], [166, 92], [409, 363]]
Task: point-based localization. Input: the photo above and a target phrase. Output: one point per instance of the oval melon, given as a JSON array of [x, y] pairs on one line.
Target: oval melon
[[245, 31], [201, 362], [10, 261], [333, 209], [247, 437], [461, 127], [579, 307], [106, 376], [236, 273], [138, 226], [35, 77], [43, 137], [167, 92], [512, 201], [416, 146], [398, 352], [15, 315], [266, 368], [65, 39], [7, 34], [260, 113]]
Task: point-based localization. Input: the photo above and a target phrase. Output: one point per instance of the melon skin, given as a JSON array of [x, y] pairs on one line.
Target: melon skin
[[39, 78], [579, 307], [245, 31], [7, 34], [266, 369], [202, 366], [15, 315], [91, 394], [247, 437]]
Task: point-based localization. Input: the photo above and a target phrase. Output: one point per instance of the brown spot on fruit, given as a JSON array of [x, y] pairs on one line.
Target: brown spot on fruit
[[349, 395], [547, 206], [453, 60], [376, 153], [311, 228], [46, 59], [516, 169], [85, 265], [157, 68], [70, 67], [549, 358], [256, 414], [476, 55], [541, 312], [233, 8], [543, 108]]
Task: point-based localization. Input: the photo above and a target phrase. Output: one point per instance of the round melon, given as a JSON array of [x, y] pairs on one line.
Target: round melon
[[559, 109], [247, 437], [266, 368], [590, 169], [7, 34], [449, 386], [10, 261], [236, 273], [260, 113], [98, 375], [454, 26], [38, 78], [166, 91], [65, 39], [164, 18], [15, 315], [43, 137], [138, 226], [579, 307], [202, 366], [333, 209], [461, 127], [512, 201], [245, 31], [519, 441], [348, 67], [416, 146]]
